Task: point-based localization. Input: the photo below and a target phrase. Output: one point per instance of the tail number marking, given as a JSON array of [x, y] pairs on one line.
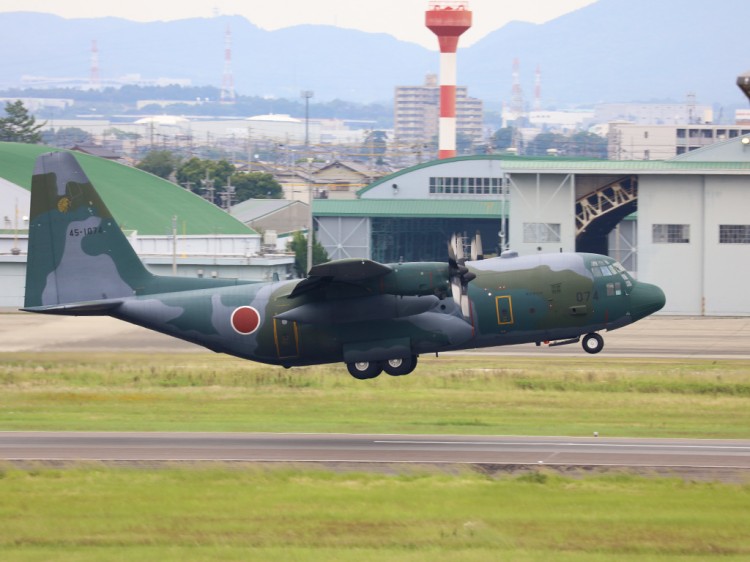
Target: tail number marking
[[75, 232]]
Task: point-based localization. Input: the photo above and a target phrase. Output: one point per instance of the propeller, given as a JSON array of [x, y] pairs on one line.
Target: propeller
[[476, 247], [459, 274]]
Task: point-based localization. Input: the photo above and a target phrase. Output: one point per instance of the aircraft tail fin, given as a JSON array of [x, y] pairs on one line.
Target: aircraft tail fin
[[77, 252]]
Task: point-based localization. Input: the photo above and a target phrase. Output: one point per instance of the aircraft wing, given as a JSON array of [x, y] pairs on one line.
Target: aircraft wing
[[353, 271], [350, 270]]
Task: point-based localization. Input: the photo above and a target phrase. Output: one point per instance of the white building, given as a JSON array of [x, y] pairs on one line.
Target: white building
[[691, 237]]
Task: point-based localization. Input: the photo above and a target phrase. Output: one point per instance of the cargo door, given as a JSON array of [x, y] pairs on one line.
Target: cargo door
[[286, 337]]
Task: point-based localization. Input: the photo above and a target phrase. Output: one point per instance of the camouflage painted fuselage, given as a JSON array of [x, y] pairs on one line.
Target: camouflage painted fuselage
[[513, 300], [355, 311]]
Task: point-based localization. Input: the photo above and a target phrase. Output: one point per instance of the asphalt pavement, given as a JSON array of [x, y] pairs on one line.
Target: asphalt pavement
[[655, 336]]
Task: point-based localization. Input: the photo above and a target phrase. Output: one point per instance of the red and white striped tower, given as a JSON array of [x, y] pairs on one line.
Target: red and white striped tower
[[448, 20], [94, 79]]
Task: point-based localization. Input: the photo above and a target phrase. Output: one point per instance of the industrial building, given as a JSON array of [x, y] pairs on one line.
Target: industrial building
[[691, 235], [628, 141], [171, 229]]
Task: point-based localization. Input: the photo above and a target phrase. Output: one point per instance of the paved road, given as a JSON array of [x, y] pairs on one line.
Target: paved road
[[426, 449], [656, 336]]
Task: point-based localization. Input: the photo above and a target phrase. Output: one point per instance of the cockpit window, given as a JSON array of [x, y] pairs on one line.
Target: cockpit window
[[607, 268], [602, 268]]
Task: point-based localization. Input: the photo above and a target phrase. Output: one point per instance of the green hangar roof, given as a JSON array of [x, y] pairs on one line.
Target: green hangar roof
[[413, 208], [138, 200]]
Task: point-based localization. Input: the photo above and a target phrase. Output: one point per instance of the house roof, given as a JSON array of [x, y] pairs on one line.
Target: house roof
[[418, 208], [138, 200], [254, 209]]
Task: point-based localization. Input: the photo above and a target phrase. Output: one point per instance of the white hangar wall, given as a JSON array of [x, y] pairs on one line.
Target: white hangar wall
[[415, 184], [680, 247], [686, 206], [542, 213]]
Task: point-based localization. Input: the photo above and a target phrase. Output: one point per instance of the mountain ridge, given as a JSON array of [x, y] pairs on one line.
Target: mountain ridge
[[608, 51]]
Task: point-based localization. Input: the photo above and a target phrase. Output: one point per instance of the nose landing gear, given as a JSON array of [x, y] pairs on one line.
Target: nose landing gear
[[592, 343]]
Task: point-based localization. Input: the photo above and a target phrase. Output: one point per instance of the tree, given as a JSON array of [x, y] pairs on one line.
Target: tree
[[159, 162], [298, 245], [546, 141], [202, 175], [588, 145], [19, 126], [375, 145], [255, 185], [464, 144], [503, 138], [67, 136]]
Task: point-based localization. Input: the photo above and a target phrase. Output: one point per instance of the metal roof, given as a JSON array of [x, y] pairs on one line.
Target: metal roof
[[416, 208], [252, 209], [531, 165], [138, 200]]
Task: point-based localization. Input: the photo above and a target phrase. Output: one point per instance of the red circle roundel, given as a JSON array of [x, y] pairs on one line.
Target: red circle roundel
[[245, 320]]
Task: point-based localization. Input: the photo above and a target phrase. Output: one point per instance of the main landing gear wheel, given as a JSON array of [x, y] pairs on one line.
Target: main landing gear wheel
[[593, 343], [364, 370], [400, 366]]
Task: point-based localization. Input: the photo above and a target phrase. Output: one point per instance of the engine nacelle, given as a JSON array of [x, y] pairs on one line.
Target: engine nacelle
[[420, 278]]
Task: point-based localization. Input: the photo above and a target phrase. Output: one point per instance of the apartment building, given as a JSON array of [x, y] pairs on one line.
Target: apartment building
[[417, 112]]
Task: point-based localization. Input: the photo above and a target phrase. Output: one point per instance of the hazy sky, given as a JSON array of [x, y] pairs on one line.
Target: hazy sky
[[403, 19]]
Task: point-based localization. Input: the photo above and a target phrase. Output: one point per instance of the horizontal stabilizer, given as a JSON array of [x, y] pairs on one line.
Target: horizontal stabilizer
[[100, 308]]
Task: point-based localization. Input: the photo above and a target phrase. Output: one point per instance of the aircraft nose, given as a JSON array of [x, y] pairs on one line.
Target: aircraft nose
[[646, 299]]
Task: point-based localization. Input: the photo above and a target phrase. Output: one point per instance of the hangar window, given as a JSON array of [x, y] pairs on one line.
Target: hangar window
[[468, 186], [734, 234], [671, 233], [536, 232]]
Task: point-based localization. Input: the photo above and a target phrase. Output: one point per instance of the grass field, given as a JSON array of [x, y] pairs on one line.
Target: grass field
[[94, 513], [450, 394]]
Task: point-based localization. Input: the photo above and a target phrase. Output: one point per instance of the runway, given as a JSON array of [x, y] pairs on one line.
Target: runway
[[369, 449], [655, 336]]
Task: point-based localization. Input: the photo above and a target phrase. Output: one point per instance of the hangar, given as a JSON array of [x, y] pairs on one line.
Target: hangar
[[683, 223], [170, 228]]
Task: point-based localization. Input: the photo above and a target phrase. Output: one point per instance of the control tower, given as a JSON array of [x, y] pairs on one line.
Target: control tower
[[448, 20]]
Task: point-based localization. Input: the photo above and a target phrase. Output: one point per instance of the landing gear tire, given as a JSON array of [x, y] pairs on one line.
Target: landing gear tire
[[401, 366], [593, 343], [364, 370]]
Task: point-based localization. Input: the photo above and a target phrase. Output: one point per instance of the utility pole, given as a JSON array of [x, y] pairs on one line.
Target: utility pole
[[307, 94], [208, 187], [310, 229], [228, 195], [174, 244]]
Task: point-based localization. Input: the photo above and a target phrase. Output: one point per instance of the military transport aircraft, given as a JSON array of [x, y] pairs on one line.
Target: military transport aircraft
[[371, 316]]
